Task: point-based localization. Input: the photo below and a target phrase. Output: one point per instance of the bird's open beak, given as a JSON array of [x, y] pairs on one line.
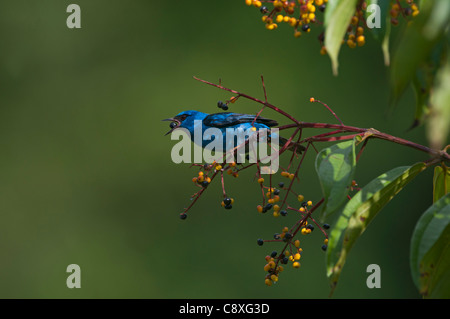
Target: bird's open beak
[[172, 120]]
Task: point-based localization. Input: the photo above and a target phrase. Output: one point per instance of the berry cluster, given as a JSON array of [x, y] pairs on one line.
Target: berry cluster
[[291, 252], [202, 179], [410, 9], [355, 31], [298, 15], [205, 175], [301, 15], [224, 105]]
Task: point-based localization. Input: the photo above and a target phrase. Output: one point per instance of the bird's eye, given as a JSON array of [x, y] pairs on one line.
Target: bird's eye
[[173, 124]]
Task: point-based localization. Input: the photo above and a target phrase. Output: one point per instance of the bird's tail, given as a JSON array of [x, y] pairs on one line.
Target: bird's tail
[[293, 146]]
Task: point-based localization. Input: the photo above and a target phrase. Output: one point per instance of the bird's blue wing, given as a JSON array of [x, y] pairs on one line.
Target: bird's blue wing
[[226, 119]]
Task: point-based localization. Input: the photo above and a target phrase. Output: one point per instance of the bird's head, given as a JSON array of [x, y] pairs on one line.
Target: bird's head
[[184, 119]]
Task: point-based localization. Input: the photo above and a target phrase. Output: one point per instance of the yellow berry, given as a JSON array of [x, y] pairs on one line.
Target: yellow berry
[[293, 22], [300, 198], [194, 179], [302, 209], [351, 43], [296, 264], [325, 241], [274, 278], [297, 243], [309, 203], [259, 208], [297, 256], [359, 30], [268, 282], [360, 40], [277, 4], [279, 18], [285, 230], [218, 167], [291, 176], [266, 267], [276, 208], [248, 2], [257, 4], [297, 34], [253, 128], [271, 201]]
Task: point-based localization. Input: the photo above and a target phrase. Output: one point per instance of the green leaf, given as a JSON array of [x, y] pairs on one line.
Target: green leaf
[[424, 80], [335, 166], [439, 18], [381, 34], [338, 15], [385, 45], [422, 92], [360, 211], [438, 122], [430, 251], [416, 44], [441, 182]]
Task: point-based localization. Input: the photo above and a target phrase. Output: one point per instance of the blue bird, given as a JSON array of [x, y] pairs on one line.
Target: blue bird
[[223, 121]]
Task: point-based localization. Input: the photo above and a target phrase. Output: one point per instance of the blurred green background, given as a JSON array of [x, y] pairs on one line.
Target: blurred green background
[[86, 175]]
